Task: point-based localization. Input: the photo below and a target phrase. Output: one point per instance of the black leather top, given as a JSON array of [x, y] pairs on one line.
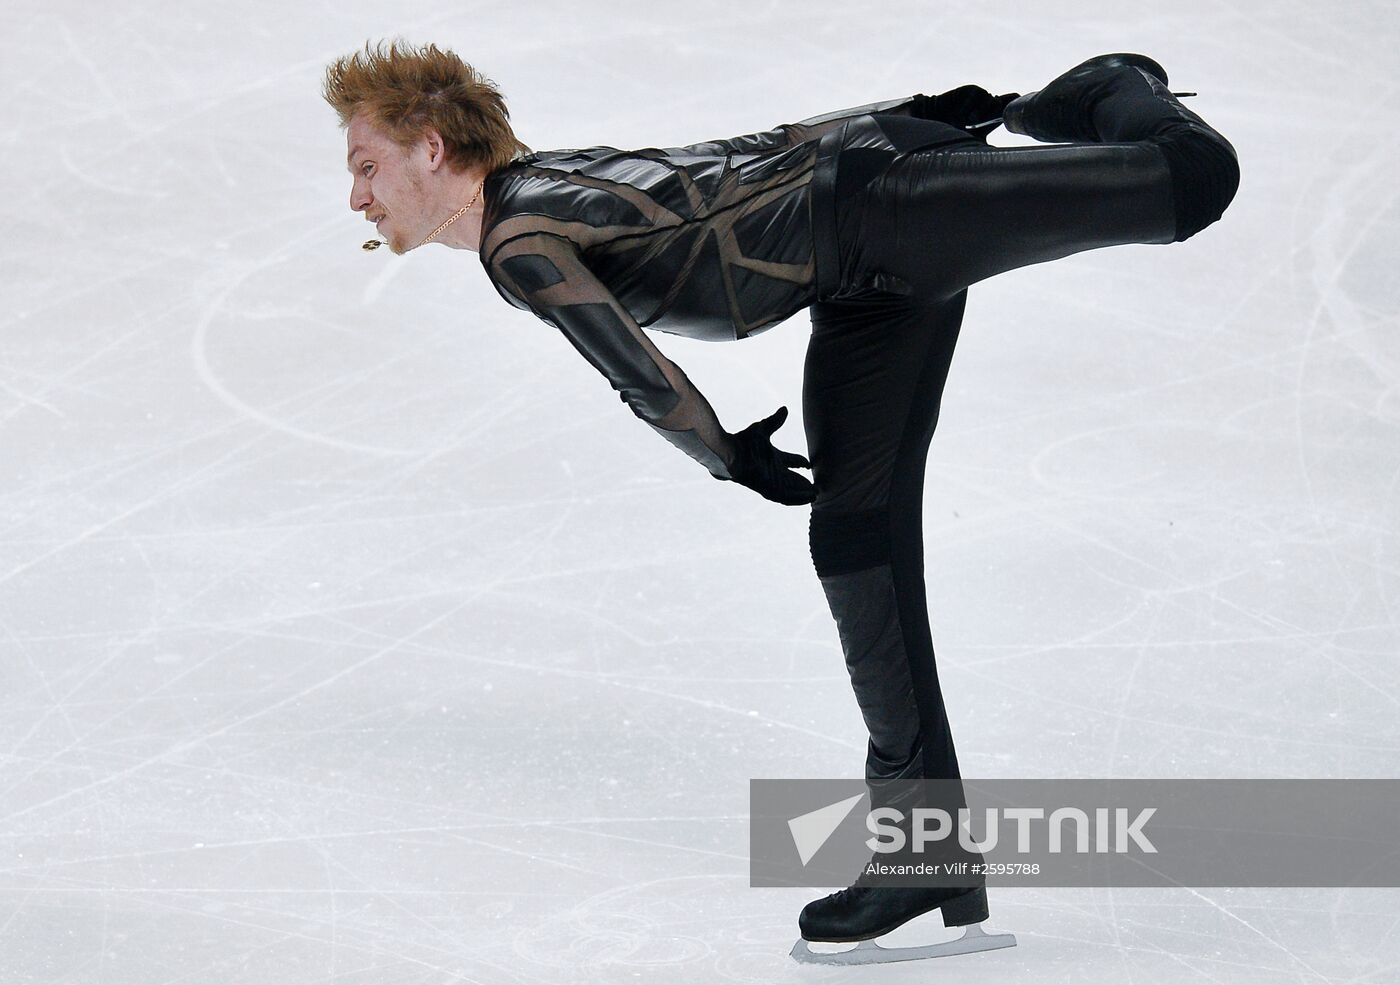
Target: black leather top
[[712, 241]]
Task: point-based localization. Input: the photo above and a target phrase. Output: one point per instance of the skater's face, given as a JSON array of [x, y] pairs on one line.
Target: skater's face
[[390, 182]]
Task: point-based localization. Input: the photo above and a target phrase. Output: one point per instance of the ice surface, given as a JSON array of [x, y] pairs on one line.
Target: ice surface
[[333, 652]]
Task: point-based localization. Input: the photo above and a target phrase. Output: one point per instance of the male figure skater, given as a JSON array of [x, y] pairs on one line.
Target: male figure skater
[[877, 219]]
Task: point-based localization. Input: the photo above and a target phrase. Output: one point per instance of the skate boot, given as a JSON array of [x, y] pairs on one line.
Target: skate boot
[[1063, 110], [862, 912]]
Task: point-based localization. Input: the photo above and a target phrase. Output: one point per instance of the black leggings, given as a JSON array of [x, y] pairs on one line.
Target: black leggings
[[911, 242]]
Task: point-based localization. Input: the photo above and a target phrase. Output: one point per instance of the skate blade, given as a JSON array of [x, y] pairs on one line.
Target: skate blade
[[868, 952]]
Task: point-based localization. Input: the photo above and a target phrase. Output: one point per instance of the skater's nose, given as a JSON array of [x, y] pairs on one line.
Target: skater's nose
[[360, 197]]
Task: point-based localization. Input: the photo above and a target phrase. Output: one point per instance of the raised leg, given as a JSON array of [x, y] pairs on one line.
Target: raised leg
[[947, 217]]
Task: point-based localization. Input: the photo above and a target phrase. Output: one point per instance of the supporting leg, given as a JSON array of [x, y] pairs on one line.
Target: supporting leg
[[873, 382], [871, 393]]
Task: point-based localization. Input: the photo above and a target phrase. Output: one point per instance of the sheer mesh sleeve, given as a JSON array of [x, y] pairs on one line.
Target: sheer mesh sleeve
[[792, 134], [546, 273]]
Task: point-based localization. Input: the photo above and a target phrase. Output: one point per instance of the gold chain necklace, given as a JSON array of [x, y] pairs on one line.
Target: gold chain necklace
[[375, 244]]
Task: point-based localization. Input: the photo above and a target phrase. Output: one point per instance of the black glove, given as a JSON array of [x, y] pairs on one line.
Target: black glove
[[971, 107], [765, 469]]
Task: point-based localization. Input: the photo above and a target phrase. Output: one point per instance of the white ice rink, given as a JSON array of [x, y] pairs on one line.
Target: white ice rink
[[353, 632]]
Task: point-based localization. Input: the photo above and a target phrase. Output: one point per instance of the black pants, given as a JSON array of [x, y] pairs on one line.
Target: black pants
[[911, 241]]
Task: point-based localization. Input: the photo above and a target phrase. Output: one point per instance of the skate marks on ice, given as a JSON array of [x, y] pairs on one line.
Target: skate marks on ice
[[973, 939]]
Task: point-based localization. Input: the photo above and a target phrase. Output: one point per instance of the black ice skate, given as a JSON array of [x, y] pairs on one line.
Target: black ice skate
[[1063, 110], [861, 912]]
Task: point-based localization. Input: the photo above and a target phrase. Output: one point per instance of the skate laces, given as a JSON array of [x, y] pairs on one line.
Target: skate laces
[[850, 893]]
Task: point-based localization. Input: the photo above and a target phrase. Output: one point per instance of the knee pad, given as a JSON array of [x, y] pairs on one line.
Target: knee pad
[[1205, 175], [843, 543]]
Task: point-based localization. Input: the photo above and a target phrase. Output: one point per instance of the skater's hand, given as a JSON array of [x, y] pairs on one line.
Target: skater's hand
[[971, 107], [765, 469]]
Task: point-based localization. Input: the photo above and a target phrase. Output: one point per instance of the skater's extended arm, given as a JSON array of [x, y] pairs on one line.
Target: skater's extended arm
[[968, 106], [546, 273]]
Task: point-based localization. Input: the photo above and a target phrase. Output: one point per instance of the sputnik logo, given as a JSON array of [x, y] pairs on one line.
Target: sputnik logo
[[811, 830]]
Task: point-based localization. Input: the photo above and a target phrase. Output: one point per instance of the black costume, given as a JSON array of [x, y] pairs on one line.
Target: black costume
[[877, 219]]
